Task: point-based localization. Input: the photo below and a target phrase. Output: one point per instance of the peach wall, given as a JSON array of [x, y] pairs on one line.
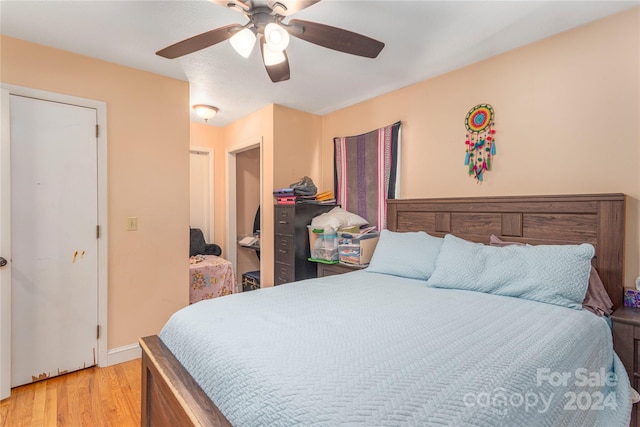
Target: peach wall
[[580, 89], [203, 135], [290, 150], [297, 146], [258, 126], [148, 177], [567, 113]]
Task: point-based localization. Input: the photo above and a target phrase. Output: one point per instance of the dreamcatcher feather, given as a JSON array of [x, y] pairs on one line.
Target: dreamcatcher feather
[[480, 142]]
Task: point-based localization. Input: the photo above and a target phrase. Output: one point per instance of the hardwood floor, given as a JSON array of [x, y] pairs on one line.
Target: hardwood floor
[[93, 397]]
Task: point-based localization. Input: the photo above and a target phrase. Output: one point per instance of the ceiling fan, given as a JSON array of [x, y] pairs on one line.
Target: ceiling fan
[[265, 23]]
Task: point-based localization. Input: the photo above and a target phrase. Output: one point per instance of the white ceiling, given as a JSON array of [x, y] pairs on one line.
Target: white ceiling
[[423, 39]]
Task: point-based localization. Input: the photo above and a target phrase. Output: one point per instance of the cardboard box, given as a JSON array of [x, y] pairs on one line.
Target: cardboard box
[[356, 249]]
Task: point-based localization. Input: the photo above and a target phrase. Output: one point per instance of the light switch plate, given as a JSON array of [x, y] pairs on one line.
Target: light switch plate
[[132, 223]]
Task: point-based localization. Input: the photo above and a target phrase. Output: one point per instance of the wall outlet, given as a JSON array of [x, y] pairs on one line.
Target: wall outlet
[[638, 282]]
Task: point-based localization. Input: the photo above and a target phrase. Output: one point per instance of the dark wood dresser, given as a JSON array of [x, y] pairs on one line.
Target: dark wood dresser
[[291, 241], [626, 343], [325, 270]]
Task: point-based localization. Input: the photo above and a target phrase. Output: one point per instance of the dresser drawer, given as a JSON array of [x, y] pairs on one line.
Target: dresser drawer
[[284, 249], [325, 270], [284, 220], [283, 273], [291, 241]]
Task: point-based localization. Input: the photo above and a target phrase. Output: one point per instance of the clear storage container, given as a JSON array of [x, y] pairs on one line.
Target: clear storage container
[[324, 245]]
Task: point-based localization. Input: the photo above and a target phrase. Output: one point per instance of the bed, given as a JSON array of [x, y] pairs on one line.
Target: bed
[[210, 276], [367, 348]]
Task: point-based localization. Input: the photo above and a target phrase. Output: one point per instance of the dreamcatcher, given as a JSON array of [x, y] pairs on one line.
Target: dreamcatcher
[[481, 144]]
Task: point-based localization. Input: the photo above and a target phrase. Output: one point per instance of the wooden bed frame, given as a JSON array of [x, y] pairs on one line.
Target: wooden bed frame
[[171, 397]]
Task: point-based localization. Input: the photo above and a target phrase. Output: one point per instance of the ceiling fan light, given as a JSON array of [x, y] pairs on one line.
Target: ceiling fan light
[[276, 37], [204, 111], [272, 57], [243, 42]]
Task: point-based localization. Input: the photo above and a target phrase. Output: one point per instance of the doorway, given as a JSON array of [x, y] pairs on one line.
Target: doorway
[[232, 200], [40, 248], [247, 207]]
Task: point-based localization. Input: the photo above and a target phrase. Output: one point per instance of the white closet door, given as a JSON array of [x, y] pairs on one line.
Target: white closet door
[[54, 244], [200, 189]]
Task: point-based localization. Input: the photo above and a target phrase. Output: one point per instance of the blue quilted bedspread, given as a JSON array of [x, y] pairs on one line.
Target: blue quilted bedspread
[[367, 349]]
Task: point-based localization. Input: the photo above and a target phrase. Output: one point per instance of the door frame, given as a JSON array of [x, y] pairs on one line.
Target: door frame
[[5, 250], [101, 117], [193, 148], [231, 249]]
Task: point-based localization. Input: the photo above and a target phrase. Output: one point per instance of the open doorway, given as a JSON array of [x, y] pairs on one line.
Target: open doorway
[[247, 206], [244, 195]]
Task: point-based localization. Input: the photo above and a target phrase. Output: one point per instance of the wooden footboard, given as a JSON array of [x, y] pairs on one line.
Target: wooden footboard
[[170, 396]]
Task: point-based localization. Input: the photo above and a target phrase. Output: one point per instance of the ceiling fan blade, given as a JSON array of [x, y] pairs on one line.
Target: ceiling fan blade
[[337, 38], [279, 72], [291, 6], [199, 42]]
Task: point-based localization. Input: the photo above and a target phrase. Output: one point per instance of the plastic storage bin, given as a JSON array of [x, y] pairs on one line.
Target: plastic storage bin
[[323, 244]]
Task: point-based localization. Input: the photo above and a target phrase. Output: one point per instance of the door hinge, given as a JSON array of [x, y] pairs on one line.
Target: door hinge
[[97, 131], [97, 231], [97, 331]]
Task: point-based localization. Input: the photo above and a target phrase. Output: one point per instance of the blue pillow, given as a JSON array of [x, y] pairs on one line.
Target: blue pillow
[[412, 254], [553, 274]]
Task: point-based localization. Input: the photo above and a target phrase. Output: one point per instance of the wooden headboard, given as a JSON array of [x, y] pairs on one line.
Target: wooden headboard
[[553, 220]]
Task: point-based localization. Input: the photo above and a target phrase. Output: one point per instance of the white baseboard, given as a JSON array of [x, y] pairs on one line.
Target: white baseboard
[[123, 354]]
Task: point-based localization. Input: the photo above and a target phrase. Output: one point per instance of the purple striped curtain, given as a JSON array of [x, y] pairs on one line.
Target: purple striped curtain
[[366, 172]]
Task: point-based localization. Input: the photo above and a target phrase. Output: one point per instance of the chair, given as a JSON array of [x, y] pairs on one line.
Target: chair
[[198, 246]]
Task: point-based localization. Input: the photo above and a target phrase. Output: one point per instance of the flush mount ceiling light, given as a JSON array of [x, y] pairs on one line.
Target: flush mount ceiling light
[[205, 111]]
